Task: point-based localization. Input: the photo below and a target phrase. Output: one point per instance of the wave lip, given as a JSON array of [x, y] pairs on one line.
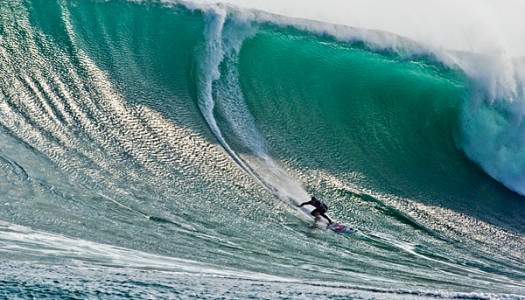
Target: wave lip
[[492, 120], [480, 27]]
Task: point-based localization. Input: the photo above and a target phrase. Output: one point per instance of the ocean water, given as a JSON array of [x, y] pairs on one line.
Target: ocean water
[[158, 150]]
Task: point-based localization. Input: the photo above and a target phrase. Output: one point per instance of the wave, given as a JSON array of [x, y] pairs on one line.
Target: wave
[[365, 101], [494, 80], [169, 128]]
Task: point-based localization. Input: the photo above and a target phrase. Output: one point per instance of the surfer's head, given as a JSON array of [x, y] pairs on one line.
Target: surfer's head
[[314, 199]]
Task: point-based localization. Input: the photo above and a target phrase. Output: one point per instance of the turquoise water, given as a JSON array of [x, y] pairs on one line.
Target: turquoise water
[[158, 150]]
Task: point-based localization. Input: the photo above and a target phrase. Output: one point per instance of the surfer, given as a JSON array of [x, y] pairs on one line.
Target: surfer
[[320, 209]]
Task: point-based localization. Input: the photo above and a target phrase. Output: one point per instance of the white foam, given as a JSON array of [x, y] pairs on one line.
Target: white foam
[[24, 241], [222, 44]]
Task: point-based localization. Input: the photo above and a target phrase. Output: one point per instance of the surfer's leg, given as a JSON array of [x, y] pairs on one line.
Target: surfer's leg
[[327, 218], [315, 213]]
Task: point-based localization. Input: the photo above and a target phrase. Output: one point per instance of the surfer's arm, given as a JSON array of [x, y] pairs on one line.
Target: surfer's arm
[[304, 203]]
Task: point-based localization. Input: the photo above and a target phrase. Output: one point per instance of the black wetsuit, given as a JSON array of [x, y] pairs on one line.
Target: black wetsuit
[[320, 208]]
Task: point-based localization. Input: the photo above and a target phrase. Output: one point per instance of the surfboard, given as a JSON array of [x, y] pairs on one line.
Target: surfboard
[[339, 228]]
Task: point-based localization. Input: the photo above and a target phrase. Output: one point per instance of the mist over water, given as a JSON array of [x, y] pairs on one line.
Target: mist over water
[[487, 27]]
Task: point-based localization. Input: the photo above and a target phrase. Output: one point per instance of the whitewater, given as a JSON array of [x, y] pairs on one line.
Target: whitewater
[[158, 149]]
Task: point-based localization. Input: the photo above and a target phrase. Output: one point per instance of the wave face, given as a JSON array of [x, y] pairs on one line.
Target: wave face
[[165, 146]]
